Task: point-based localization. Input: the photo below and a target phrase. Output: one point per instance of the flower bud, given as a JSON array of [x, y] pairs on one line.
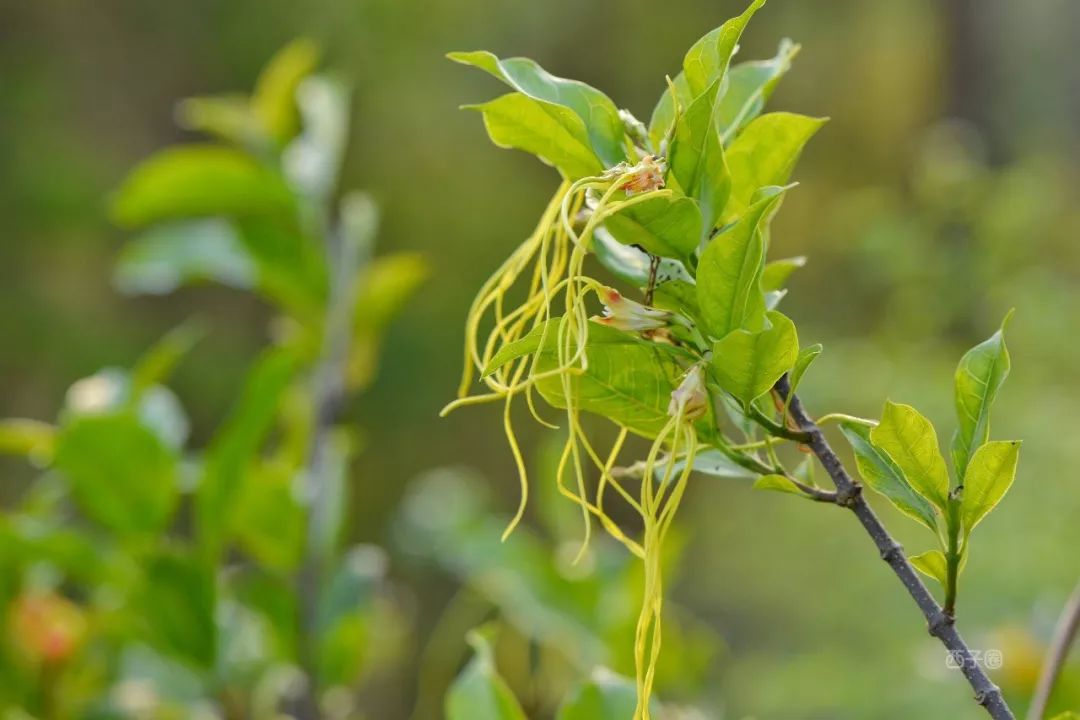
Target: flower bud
[[46, 626], [629, 316], [646, 176], [691, 398]]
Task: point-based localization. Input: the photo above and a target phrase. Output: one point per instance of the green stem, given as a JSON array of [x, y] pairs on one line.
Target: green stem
[[775, 428], [952, 555]]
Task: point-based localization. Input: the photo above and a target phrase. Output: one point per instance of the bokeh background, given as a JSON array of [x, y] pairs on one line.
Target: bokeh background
[[942, 193]]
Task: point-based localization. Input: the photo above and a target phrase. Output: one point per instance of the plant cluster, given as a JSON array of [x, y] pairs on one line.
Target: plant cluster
[[704, 364], [143, 577]]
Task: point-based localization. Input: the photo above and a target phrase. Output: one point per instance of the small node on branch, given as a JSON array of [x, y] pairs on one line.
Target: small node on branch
[[893, 553], [941, 621]]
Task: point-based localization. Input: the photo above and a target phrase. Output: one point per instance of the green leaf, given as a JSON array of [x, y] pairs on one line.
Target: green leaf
[[663, 115], [176, 606], [606, 696], [120, 472], [627, 380], [697, 159], [883, 476], [595, 109], [551, 132], [521, 347], [664, 225], [747, 364], [707, 60], [931, 564], [199, 181], [479, 693], [989, 476], [386, 285], [749, 86], [779, 483], [910, 440], [764, 154], [237, 443], [802, 363], [1067, 716], [708, 462], [729, 273], [777, 272], [631, 264], [979, 376], [273, 102]]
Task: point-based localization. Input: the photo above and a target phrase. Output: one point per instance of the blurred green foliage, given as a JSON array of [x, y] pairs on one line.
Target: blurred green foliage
[[923, 230]]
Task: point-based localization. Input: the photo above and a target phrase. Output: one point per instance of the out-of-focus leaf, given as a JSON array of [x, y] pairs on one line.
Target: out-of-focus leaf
[[931, 564], [748, 88], [273, 102], [110, 391], [227, 117], [350, 615], [445, 518], [664, 225], [989, 476], [747, 364], [479, 693], [172, 255], [199, 181], [884, 476], [170, 680], [707, 60], [120, 472], [627, 380], [597, 112], [979, 376], [292, 269], [313, 160], [238, 441], [764, 154], [553, 133], [777, 272], [158, 363], [386, 284], [268, 519], [606, 696], [30, 438], [910, 440], [697, 159], [177, 603], [729, 273]]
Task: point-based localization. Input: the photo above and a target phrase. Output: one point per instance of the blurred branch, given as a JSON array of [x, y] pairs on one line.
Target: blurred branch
[[346, 252], [1064, 636], [941, 625]]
